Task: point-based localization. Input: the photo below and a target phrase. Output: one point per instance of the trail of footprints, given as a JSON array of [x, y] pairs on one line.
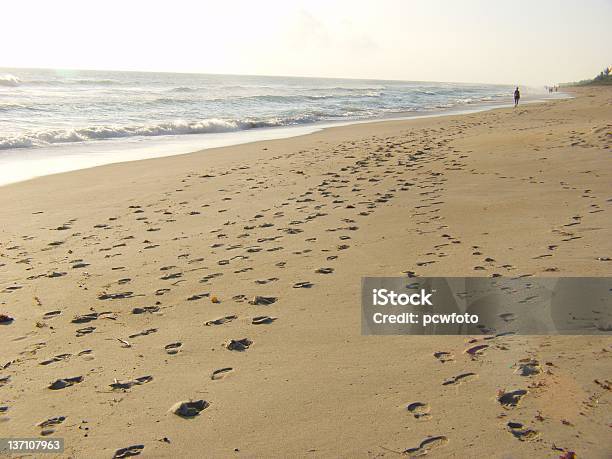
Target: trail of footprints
[[414, 163]]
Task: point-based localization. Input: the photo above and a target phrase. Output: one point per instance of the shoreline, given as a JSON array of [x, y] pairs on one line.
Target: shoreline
[[169, 254], [64, 158]]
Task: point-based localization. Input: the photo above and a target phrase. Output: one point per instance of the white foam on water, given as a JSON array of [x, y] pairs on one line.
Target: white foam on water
[[56, 121], [19, 165]]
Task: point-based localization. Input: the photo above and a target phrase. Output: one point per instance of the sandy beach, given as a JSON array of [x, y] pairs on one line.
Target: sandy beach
[[232, 277]]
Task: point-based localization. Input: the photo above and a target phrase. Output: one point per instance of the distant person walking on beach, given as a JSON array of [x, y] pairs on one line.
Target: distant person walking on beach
[[517, 96]]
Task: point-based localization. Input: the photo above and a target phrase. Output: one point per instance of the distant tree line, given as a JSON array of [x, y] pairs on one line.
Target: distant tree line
[[604, 77]]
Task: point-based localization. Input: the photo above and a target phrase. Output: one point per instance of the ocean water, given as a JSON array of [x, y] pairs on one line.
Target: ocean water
[[82, 118]]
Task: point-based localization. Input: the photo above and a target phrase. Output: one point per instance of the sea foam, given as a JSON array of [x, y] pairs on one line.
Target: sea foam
[[9, 80], [39, 108]]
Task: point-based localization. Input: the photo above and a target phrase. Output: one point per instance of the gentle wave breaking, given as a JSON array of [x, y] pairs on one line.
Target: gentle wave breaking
[[9, 80], [45, 107], [49, 137]]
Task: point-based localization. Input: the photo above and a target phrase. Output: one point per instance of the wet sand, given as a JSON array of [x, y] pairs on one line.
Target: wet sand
[[231, 278]]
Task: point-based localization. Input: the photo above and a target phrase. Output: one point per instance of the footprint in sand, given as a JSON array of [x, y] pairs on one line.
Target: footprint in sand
[[143, 333], [522, 433], [324, 270], [87, 354], [243, 270], [426, 446], [84, 318], [11, 289], [259, 320], [66, 382], [528, 367], [420, 410], [220, 373], [266, 281], [221, 320], [6, 319], [476, 351], [127, 384], [85, 331], [115, 296], [459, 379], [80, 264], [130, 451], [210, 276], [57, 358], [263, 300], [145, 310], [444, 356], [507, 316], [304, 284], [511, 399], [51, 421], [238, 345], [198, 296], [173, 348], [189, 409], [51, 314]]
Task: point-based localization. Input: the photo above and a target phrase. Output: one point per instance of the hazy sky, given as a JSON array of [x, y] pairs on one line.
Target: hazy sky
[[536, 41]]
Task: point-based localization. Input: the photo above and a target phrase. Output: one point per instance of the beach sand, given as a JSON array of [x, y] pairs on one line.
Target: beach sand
[[118, 275]]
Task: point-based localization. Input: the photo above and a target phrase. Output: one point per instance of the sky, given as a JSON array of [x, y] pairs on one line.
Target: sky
[[480, 41]]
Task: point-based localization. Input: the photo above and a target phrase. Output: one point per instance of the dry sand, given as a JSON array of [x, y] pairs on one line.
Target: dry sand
[[529, 188]]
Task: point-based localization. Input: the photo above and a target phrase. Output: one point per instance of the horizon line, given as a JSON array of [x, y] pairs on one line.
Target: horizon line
[[267, 75]]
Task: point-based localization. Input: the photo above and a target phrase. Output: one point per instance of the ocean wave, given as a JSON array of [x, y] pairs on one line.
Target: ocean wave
[[294, 98], [29, 107], [9, 80], [183, 89], [86, 81], [56, 136], [62, 108], [300, 98], [352, 96], [59, 82], [345, 89], [169, 101], [9, 107]]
